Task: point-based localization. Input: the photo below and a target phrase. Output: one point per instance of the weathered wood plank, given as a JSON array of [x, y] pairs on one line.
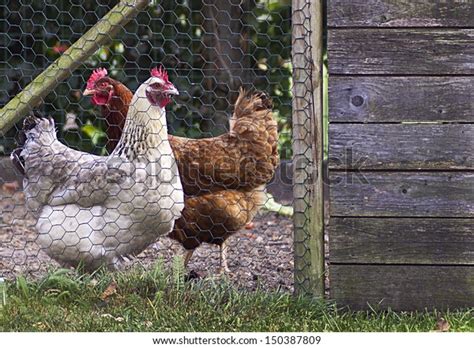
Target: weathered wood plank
[[388, 194], [396, 99], [308, 218], [401, 51], [400, 13], [401, 146], [401, 240], [402, 287]]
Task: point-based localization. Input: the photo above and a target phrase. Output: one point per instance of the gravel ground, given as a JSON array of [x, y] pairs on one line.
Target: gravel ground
[[259, 257]]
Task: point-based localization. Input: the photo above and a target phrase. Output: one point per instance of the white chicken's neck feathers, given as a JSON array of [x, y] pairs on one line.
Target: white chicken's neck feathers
[[145, 129]]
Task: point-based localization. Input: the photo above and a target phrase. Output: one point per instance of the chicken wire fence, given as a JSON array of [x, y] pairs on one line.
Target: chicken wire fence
[[85, 210]]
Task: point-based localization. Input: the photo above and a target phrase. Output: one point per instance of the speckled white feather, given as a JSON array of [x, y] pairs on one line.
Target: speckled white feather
[[96, 210]]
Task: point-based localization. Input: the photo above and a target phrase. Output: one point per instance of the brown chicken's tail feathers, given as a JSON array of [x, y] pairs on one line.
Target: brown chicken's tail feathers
[[251, 102], [36, 129]]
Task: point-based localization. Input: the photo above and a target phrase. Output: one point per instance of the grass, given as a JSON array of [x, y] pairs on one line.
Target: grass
[[155, 301]]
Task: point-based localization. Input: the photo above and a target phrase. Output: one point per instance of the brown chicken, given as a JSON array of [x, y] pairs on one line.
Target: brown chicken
[[223, 177]]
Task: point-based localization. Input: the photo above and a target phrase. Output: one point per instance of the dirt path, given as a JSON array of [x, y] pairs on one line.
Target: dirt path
[[259, 257]]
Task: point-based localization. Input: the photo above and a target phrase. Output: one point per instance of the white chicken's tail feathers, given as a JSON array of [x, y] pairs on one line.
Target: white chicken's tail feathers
[[39, 129], [36, 132]]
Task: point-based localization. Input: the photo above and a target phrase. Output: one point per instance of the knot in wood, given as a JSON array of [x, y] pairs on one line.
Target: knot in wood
[[357, 100]]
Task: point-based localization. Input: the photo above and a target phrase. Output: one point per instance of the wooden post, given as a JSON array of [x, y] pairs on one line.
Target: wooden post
[[100, 34], [307, 57]]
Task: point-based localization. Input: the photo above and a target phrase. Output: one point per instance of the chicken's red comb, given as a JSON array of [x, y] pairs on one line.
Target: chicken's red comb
[[160, 72], [96, 75]]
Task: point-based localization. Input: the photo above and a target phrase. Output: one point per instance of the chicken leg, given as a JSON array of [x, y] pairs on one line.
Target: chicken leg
[[187, 257], [224, 248]]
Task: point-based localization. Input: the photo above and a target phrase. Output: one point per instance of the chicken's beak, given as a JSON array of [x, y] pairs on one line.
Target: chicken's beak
[[172, 91], [88, 91]]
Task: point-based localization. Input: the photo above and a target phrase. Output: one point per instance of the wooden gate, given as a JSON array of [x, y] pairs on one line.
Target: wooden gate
[[401, 147]]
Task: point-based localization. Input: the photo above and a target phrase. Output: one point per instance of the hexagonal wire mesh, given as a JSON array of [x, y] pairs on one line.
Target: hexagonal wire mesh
[[101, 209]]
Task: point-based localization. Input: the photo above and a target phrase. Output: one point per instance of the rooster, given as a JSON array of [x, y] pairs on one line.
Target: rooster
[[96, 210], [223, 177]]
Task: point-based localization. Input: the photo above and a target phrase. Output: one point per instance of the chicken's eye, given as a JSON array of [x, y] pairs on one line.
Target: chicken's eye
[[156, 85]]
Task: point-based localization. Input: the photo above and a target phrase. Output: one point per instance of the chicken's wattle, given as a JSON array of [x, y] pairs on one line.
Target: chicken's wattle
[[102, 98]]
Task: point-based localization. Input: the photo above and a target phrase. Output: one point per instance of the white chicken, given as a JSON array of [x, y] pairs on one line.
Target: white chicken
[[95, 210]]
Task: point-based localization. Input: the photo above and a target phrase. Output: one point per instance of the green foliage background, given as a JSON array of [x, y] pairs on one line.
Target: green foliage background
[[173, 33]]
